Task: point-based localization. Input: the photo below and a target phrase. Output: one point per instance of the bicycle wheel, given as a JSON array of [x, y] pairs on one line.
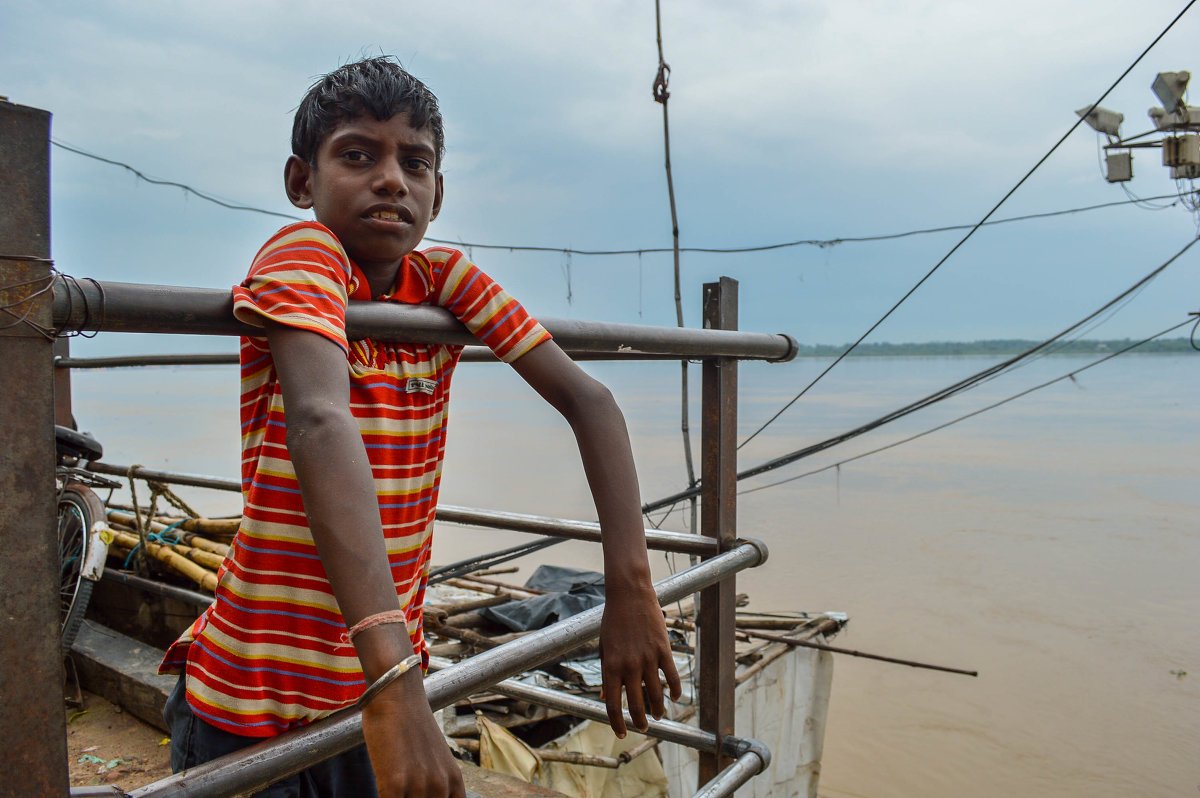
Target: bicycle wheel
[[78, 509]]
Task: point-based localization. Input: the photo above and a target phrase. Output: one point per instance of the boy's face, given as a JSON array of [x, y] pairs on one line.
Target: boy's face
[[376, 186]]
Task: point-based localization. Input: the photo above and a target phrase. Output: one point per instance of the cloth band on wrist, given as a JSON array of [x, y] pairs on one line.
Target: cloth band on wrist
[[390, 675], [378, 619]]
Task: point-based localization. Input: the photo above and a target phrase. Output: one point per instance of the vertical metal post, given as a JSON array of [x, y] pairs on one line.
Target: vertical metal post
[[32, 724], [62, 386], [718, 519]]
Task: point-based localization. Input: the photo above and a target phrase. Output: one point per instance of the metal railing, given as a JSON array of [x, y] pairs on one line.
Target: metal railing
[[656, 539], [40, 306], [256, 767], [87, 306]]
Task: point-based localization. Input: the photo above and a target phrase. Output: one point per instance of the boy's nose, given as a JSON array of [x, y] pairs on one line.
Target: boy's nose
[[389, 178]]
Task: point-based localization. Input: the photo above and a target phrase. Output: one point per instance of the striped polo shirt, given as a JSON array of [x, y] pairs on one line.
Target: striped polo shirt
[[269, 654]]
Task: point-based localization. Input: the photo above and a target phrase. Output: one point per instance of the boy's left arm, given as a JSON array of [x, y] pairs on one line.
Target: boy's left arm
[[633, 638]]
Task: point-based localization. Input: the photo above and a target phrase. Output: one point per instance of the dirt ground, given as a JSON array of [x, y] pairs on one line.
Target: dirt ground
[[108, 746]]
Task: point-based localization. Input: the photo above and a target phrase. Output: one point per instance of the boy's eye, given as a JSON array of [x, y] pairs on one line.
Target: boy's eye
[[355, 155], [419, 164]]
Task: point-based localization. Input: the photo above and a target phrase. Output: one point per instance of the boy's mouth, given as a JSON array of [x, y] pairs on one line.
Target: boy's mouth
[[389, 214]]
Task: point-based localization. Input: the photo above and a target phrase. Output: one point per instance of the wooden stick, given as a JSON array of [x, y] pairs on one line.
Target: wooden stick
[[469, 606], [767, 659], [514, 594], [850, 652], [533, 591], [630, 754], [495, 571]]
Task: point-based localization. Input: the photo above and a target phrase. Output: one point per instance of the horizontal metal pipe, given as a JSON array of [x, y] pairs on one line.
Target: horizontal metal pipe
[[170, 477], [92, 306], [667, 730], [192, 597], [250, 770], [656, 539], [129, 361], [740, 771], [470, 354]]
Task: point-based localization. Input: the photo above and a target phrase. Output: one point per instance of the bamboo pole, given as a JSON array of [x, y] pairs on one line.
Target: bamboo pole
[[221, 527], [172, 559], [208, 559], [190, 538]]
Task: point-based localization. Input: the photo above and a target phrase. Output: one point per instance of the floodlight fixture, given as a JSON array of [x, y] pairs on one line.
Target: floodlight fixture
[[1187, 118], [1169, 87], [1119, 167], [1102, 119]]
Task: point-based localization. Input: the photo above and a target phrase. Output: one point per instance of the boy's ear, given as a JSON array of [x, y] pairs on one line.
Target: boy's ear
[[437, 198], [297, 181]]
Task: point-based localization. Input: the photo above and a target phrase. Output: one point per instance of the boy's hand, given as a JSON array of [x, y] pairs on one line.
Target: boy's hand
[[633, 649], [408, 753]]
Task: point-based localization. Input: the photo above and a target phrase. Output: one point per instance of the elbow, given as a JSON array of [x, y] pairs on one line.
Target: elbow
[[587, 400], [310, 423]]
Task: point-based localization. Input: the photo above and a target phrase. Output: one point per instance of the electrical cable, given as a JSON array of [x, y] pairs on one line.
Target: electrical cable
[[186, 188], [821, 243], [994, 405], [971, 232], [937, 396], [961, 385]]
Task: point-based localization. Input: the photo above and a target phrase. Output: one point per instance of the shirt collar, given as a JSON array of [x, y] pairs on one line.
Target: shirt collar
[[413, 285]]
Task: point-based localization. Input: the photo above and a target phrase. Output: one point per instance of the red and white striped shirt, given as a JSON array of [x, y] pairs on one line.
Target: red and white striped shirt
[[269, 654]]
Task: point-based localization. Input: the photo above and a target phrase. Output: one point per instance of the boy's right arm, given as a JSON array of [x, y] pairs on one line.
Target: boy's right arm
[[407, 750]]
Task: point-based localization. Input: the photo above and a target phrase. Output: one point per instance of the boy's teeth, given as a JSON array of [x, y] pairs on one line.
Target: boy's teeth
[[389, 216]]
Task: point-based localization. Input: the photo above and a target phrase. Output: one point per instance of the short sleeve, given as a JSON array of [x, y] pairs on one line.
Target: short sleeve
[[300, 278], [478, 301]]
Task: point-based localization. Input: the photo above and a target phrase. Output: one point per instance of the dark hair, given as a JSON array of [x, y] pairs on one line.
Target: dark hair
[[379, 86]]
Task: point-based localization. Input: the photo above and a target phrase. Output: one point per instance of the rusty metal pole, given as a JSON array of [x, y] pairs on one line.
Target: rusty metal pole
[[62, 385], [718, 519], [33, 732]]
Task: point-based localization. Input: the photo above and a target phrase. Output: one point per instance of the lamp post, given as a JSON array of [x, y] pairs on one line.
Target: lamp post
[[1176, 120]]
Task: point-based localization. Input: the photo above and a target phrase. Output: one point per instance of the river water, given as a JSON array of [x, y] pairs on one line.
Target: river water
[[1053, 544]]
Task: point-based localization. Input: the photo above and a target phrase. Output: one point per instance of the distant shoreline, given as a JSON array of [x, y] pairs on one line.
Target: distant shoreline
[[995, 347]]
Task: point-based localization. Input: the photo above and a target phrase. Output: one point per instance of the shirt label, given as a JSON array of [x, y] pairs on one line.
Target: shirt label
[[420, 385]]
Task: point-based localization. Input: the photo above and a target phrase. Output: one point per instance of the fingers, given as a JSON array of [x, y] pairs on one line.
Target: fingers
[[637, 704], [641, 694], [654, 695], [611, 693], [673, 682]]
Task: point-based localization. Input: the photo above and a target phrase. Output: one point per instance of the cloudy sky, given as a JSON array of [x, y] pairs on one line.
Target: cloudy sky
[[789, 120]]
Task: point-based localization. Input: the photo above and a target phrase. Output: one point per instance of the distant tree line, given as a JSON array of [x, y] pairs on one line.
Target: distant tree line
[[1011, 346]]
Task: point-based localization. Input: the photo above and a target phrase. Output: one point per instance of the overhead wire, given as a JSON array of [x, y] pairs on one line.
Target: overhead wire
[[966, 383], [233, 206], [971, 232], [821, 243], [937, 396], [1069, 375]]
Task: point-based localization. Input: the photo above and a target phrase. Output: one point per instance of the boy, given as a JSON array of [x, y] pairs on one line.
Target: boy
[[340, 491]]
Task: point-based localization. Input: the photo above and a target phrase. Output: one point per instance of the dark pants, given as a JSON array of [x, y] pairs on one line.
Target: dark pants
[[194, 741]]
